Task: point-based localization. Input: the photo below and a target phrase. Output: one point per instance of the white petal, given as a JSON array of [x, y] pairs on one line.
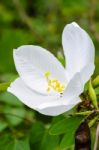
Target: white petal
[[27, 96], [47, 105], [86, 72], [74, 88], [32, 62], [58, 109], [78, 49]]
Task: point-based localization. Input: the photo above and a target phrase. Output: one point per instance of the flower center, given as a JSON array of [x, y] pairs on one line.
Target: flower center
[[54, 84]]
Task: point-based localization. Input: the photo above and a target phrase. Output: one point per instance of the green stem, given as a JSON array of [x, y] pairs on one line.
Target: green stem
[[85, 113], [92, 122]]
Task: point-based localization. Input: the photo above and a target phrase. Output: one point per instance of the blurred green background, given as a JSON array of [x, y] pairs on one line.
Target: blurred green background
[[38, 22]]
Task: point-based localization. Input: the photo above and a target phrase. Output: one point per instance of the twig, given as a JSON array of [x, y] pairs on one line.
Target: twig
[[97, 138], [86, 113]]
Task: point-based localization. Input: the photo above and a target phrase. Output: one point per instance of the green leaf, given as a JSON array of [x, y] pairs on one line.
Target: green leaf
[[10, 99], [14, 115], [93, 136], [7, 43], [67, 140], [40, 138], [9, 143], [19, 145], [96, 81], [49, 142], [93, 121], [8, 77], [57, 119], [4, 86], [92, 95], [3, 125], [36, 132], [97, 91], [65, 125], [4, 141]]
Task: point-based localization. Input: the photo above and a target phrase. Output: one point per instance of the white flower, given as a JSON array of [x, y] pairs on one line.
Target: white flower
[[44, 84]]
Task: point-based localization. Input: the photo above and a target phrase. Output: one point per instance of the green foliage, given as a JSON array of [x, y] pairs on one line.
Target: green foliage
[[68, 127], [65, 125], [96, 81], [20, 127], [93, 95], [4, 86], [37, 132], [93, 135], [49, 142], [10, 100], [3, 125], [10, 143], [12, 113], [67, 140]]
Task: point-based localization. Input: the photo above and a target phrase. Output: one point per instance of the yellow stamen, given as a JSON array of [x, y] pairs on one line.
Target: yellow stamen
[[49, 82], [54, 84]]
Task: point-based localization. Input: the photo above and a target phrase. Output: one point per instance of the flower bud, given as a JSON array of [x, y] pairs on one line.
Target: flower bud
[[92, 95]]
